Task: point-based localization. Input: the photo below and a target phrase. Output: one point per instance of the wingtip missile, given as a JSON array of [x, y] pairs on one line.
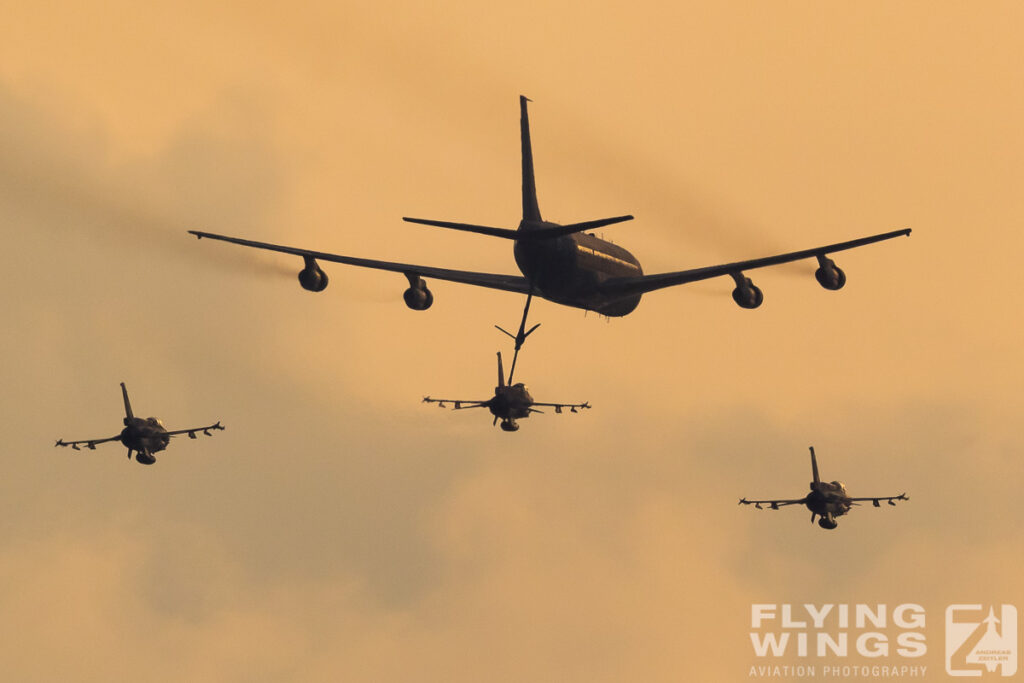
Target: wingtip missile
[[206, 430]]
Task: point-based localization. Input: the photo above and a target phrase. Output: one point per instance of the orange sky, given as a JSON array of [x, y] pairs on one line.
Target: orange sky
[[340, 529]]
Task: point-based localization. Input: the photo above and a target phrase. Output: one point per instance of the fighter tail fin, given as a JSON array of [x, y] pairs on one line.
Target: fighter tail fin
[[814, 467], [501, 372], [531, 212], [127, 404]]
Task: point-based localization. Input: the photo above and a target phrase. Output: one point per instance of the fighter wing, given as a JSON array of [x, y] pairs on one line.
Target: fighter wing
[[573, 407], [192, 432], [645, 283], [88, 443], [457, 404], [773, 504], [876, 501], [509, 283]]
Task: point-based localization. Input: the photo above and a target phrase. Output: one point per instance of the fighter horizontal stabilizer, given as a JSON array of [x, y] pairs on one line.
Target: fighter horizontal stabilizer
[[532, 234]]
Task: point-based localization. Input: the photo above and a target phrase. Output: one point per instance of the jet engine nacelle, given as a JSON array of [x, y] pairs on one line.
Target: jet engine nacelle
[[510, 425], [829, 275], [746, 294], [418, 297], [312, 278]]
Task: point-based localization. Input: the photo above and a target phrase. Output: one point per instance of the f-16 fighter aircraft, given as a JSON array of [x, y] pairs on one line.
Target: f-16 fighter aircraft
[[509, 403], [144, 436], [827, 500]]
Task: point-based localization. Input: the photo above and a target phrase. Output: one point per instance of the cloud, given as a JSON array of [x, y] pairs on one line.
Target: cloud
[[220, 171], [340, 529]]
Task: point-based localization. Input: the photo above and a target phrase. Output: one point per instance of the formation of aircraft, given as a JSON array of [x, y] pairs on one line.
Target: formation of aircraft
[[144, 436], [564, 263], [510, 402], [826, 500]]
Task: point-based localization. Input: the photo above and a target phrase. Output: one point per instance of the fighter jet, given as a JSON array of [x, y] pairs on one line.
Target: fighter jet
[[509, 403], [144, 436], [564, 263], [826, 499]]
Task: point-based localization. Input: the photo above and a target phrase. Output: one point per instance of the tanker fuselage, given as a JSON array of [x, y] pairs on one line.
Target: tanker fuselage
[[570, 270]]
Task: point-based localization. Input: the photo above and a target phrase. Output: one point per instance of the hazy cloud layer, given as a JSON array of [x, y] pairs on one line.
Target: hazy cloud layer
[[339, 529]]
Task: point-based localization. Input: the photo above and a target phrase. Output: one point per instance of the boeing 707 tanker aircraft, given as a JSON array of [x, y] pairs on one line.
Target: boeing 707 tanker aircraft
[[565, 263]]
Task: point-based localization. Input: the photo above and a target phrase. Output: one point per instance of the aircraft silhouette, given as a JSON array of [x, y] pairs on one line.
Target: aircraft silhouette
[[826, 499], [145, 436], [509, 403], [564, 263]]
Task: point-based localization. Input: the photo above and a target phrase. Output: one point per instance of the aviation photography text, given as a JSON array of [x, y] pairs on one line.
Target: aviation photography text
[[827, 636]]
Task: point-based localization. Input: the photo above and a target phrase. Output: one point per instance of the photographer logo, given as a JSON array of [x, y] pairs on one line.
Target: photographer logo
[[981, 640]]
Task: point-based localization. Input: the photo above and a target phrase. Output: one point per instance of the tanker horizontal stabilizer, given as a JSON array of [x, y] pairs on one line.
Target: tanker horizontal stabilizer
[[542, 233]]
